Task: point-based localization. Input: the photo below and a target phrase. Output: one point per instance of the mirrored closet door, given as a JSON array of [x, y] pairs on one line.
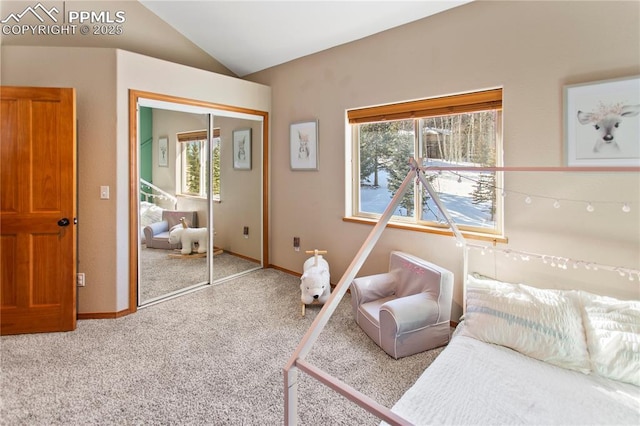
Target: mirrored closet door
[[200, 198], [173, 197]]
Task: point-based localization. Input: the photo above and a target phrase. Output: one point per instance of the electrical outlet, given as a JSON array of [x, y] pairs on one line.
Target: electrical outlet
[[245, 232], [80, 279], [296, 243], [104, 192]]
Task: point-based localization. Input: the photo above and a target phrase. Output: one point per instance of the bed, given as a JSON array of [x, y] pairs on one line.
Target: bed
[[149, 213], [524, 355], [521, 354]]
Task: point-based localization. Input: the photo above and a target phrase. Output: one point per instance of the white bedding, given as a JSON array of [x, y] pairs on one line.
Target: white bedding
[[472, 382], [149, 213]]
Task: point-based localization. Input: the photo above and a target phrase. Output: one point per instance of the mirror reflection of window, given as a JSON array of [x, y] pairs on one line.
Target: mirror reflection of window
[[215, 165], [193, 155]]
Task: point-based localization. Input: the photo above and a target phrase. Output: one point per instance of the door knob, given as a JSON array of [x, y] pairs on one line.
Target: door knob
[[64, 222]]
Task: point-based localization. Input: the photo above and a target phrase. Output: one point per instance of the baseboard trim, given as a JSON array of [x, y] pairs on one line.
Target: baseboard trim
[[297, 274], [286, 271], [114, 315], [102, 315], [251, 259]]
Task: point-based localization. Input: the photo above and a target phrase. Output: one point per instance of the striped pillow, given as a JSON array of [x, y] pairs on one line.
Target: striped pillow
[[542, 324]]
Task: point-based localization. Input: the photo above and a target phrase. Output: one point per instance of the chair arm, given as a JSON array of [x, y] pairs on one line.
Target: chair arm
[[373, 287], [409, 313], [155, 229]]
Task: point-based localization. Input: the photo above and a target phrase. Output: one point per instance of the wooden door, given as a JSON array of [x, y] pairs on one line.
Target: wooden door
[[37, 210]]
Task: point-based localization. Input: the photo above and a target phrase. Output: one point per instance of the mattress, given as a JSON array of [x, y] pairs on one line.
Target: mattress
[[472, 382]]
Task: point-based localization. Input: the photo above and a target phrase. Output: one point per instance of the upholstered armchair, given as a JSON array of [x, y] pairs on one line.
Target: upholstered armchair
[[406, 310], [156, 235]]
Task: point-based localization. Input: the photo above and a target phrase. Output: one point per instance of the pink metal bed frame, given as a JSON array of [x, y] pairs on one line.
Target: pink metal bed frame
[[297, 360]]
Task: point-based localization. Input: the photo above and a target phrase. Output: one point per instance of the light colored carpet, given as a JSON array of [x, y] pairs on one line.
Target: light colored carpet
[[211, 357], [161, 274]]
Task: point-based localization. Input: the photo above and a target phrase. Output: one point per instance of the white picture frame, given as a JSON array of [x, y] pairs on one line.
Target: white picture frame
[[242, 149], [163, 151], [602, 123], [303, 143]]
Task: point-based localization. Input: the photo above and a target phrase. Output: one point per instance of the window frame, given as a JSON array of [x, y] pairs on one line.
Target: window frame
[[202, 137], [216, 140], [416, 110]]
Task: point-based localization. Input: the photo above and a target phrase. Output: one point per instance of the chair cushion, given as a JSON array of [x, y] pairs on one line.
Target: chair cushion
[[371, 310], [161, 236]]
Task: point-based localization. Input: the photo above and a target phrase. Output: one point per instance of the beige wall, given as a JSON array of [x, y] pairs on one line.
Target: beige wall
[[531, 49], [92, 73], [102, 78]]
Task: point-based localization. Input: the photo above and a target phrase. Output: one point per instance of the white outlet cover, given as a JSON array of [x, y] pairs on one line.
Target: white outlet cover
[[104, 192]]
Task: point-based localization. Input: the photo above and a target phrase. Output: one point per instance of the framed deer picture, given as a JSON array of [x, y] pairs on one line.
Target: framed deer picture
[[303, 140], [602, 123]]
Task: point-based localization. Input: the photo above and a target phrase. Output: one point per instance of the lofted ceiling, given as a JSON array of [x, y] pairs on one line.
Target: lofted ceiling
[[249, 36]]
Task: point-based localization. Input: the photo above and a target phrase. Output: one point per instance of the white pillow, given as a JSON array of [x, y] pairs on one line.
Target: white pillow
[[149, 213], [543, 324], [613, 336]]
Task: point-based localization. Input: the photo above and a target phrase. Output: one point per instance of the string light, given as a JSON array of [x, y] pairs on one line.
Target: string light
[[559, 262], [529, 198], [162, 197], [146, 190]]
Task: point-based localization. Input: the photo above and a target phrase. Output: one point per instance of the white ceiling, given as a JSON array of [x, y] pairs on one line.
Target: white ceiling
[[249, 36]]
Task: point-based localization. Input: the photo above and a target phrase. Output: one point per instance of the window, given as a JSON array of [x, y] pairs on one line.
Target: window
[[453, 131], [193, 163], [215, 170]]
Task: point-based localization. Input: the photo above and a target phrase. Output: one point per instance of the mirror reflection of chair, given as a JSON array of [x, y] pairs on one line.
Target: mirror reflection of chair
[[406, 310], [157, 234]]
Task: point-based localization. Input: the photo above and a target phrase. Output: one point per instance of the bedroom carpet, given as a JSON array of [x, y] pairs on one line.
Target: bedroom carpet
[[211, 357], [161, 274]]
